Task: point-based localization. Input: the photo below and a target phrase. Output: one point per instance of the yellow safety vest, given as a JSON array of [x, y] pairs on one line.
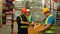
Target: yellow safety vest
[[29, 18], [23, 26], [52, 28]]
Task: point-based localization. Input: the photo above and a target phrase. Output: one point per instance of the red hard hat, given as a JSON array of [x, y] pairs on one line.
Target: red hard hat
[[24, 10]]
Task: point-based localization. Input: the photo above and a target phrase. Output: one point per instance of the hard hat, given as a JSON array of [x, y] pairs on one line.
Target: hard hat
[[45, 10], [24, 10], [28, 10]]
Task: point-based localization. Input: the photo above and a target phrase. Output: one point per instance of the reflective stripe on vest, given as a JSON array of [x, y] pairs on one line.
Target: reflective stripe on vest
[[21, 18], [23, 26], [29, 18], [52, 28]]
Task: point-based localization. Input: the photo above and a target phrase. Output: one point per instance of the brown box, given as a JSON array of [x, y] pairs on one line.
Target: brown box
[[38, 27], [35, 29], [32, 31]]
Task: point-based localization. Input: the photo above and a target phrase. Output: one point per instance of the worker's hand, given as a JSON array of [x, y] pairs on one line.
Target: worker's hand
[[41, 30], [31, 26], [27, 23], [22, 22], [36, 23]]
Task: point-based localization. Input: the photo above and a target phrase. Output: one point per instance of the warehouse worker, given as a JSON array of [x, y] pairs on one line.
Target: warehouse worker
[[29, 16], [22, 22], [49, 23]]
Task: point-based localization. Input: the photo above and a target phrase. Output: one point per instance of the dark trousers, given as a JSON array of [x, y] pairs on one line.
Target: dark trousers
[[11, 28], [23, 31]]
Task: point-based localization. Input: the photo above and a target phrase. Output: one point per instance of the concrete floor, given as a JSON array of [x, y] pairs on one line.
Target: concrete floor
[[5, 30], [58, 30]]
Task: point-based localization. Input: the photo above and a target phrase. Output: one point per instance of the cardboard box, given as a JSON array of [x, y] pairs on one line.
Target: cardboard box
[[38, 27], [35, 29], [32, 31]]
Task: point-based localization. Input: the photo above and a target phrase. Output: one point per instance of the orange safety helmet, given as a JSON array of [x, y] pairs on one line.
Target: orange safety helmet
[[24, 10]]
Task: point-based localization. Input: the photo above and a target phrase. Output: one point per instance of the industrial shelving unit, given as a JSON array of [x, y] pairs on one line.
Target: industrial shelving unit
[[7, 15], [3, 14], [9, 19], [58, 14], [36, 6], [18, 5]]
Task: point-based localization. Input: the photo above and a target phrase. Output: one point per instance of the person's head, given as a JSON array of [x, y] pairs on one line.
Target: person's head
[[24, 11], [44, 6], [46, 11], [28, 11]]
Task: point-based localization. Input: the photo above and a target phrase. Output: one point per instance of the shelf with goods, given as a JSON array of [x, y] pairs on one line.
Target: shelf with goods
[[58, 10], [3, 18], [16, 14], [7, 13], [36, 7], [18, 5], [3, 12], [58, 20], [58, 14], [8, 22], [4, 9], [9, 18]]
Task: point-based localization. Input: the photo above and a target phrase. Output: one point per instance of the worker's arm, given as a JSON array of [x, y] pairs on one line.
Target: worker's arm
[[50, 22], [22, 22], [45, 28]]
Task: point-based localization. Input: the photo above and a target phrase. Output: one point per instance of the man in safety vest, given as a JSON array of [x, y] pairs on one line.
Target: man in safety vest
[[49, 23], [29, 16], [23, 22]]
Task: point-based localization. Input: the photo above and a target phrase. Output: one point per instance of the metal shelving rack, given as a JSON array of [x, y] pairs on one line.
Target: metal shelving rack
[[3, 13], [18, 5], [36, 6], [58, 14], [6, 18]]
